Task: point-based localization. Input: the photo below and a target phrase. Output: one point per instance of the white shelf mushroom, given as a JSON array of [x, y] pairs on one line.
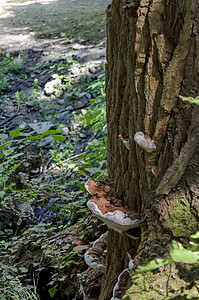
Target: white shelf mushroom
[[125, 142], [95, 256], [116, 220], [121, 282], [144, 141], [115, 217]]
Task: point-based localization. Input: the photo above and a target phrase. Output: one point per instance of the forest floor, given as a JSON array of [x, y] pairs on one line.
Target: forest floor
[[43, 28], [27, 24], [52, 56]]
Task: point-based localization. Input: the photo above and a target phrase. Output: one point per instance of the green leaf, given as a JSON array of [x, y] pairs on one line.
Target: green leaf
[[52, 291], [15, 132], [92, 170], [49, 132], [33, 138], [190, 99], [69, 59], [13, 168], [58, 137], [195, 236], [2, 194], [84, 111], [180, 254], [3, 179], [154, 264], [3, 137], [52, 208]]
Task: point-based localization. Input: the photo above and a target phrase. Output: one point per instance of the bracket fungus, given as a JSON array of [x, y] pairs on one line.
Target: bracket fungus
[[123, 281], [122, 285], [96, 255], [131, 262], [109, 209], [125, 142], [155, 171], [144, 141]]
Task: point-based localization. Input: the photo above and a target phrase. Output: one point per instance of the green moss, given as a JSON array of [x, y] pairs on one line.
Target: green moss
[[161, 285], [181, 219]]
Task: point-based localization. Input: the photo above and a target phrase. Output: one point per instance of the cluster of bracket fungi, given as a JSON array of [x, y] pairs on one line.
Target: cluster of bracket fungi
[[123, 281], [116, 216], [143, 140]]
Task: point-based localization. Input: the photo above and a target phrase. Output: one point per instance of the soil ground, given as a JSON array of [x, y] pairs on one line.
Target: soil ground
[[50, 31], [47, 30], [27, 24]]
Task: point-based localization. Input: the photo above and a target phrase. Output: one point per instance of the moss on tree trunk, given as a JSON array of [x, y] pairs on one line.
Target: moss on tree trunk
[[152, 58]]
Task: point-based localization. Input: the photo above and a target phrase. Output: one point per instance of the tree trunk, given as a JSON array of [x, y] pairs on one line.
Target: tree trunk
[[152, 58]]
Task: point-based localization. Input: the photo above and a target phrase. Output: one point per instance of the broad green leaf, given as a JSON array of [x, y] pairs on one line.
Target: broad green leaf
[[195, 236], [15, 132], [14, 156], [58, 137], [180, 254], [154, 264], [84, 111]]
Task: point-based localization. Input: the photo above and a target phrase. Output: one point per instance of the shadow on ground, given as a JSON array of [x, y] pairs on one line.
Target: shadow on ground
[[23, 24]]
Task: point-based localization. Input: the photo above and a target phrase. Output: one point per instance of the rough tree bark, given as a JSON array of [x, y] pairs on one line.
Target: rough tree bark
[[152, 58]]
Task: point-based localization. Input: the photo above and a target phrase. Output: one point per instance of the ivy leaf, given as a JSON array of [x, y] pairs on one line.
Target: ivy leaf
[[180, 254], [52, 291]]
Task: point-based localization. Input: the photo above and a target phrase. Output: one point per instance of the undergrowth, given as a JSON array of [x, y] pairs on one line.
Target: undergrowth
[[55, 181], [9, 66]]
